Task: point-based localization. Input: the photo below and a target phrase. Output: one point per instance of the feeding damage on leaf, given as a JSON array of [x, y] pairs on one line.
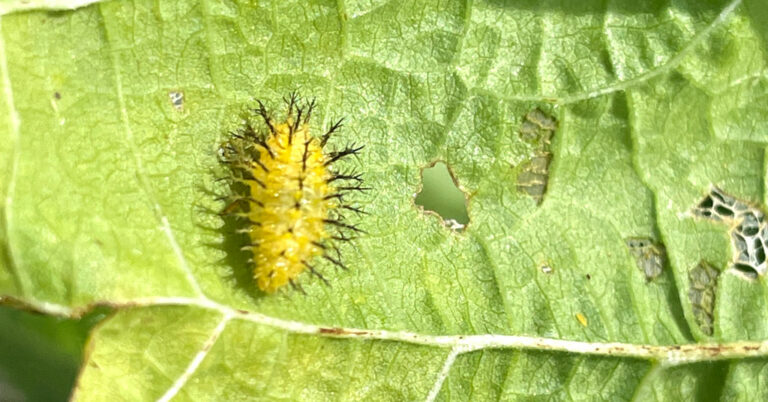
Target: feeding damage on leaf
[[440, 195], [289, 195], [702, 286], [748, 230], [649, 256], [177, 100], [537, 129]]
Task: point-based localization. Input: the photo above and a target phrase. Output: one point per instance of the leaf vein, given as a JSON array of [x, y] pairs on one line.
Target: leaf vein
[[668, 355], [443, 374], [196, 361]]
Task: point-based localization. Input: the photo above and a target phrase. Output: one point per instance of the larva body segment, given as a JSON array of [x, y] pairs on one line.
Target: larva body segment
[[290, 203], [293, 197]]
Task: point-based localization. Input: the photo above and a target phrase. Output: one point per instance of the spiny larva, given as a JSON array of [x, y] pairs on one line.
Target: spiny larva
[[286, 188]]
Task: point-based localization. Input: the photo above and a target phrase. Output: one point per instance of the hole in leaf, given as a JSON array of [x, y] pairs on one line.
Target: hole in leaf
[[760, 253], [749, 231], [724, 211], [439, 194], [750, 225], [177, 99], [707, 203], [747, 270]]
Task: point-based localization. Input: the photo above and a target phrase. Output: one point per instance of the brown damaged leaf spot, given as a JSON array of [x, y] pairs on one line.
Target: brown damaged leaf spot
[[340, 331], [650, 256], [701, 293], [537, 129]]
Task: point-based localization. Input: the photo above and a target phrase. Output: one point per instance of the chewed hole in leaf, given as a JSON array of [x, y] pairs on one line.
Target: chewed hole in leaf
[[723, 211], [707, 203], [749, 231], [177, 99], [745, 270], [439, 194]]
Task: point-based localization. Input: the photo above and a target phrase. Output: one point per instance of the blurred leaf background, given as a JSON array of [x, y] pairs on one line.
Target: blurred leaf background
[[40, 355]]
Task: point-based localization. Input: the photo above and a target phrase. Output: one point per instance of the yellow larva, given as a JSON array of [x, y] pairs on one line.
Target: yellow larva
[[289, 195]]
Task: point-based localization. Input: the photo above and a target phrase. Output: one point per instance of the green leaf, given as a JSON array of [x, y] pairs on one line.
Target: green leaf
[[107, 181]]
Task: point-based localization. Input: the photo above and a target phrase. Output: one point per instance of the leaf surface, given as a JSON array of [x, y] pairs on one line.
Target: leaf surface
[[106, 184]]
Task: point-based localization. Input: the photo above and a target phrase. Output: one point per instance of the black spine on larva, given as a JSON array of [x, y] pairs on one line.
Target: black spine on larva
[[342, 237], [291, 101], [335, 262], [261, 165], [236, 199], [330, 131], [336, 155], [315, 272], [310, 108], [337, 196], [256, 202], [266, 147], [353, 188], [297, 121], [297, 287], [259, 182], [351, 182], [319, 245], [262, 111], [337, 223], [354, 209], [305, 156], [346, 176], [250, 133]]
